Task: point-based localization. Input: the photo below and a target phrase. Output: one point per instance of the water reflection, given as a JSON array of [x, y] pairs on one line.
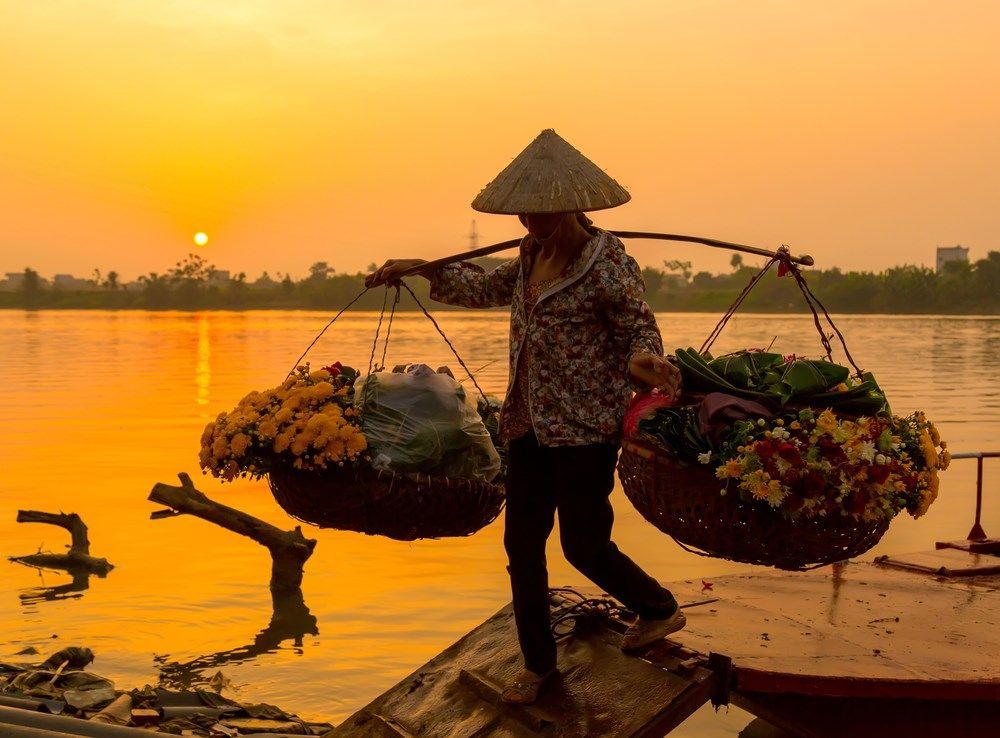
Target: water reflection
[[837, 582], [72, 590], [203, 369], [290, 620]]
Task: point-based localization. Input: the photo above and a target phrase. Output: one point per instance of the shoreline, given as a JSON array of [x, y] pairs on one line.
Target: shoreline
[[438, 307]]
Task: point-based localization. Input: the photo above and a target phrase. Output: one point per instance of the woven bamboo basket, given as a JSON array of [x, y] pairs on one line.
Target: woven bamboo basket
[[401, 506], [684, 502]]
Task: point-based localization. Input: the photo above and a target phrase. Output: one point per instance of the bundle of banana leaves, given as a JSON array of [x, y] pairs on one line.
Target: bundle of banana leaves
[[782, 381]]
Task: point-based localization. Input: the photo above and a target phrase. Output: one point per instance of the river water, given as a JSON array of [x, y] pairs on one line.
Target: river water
[[98, 406]]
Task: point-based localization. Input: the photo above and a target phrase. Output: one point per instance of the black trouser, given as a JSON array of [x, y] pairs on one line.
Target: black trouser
[[576, 481]]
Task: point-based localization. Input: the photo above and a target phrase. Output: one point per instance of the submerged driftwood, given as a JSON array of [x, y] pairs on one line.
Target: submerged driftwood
[[289, 549], [77, 560]]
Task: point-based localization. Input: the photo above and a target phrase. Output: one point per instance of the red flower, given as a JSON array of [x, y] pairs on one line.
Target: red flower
[[764, 449], [859, 499], [879, 473], [814, 484], [334, 368], [789, 453], [831, 450]]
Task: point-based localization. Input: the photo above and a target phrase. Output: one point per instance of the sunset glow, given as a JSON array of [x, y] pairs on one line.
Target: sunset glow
[[860, 132]]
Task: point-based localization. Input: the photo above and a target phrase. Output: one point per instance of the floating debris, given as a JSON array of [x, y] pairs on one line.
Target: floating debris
[[55, 694]]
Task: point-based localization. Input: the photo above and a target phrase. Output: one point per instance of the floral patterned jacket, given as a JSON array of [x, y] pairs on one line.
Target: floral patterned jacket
[[582, 332]]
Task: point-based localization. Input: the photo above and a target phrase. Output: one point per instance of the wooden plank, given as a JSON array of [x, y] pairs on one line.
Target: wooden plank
[[986, 546], [600, 690], [945, 562]]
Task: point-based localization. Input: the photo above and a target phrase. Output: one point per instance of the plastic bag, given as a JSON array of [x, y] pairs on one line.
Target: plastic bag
[[419, 420]]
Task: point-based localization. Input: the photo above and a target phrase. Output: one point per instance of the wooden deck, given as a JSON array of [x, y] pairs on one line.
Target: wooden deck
[[600, 691], [851, 629], [909, 646]]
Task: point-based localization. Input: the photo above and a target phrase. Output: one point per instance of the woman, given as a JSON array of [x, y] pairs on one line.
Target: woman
[[581, 339]]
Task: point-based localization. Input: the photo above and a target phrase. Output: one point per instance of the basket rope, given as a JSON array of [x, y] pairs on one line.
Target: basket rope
[[320, 334], [446, 340], [378, 329], [786, 266]]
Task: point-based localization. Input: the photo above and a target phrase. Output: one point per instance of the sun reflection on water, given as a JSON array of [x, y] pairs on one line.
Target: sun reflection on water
[[203, 369]]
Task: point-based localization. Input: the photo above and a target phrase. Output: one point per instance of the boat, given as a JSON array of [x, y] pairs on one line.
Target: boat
[[901, 645]]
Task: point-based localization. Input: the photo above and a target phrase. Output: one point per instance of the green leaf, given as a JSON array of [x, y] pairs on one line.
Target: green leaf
[[699, 375], [800, 378], [735, 368], [834, 373], [745, 368]]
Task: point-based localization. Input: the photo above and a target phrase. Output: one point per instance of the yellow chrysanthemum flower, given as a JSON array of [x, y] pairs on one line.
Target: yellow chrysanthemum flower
[[240, 443], [282, 440], [826, 422], [220, 447]]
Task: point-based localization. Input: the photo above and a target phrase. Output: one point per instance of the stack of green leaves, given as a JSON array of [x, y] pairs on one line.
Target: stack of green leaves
[[773, 379]]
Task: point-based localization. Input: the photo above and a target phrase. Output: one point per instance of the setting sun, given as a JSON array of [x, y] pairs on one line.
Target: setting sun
[[201, 238]]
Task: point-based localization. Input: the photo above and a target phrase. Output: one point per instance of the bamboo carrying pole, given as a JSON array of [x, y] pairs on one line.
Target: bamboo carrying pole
[[804, 260]]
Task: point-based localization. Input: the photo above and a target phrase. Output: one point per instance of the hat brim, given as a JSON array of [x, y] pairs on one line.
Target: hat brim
[[550, 176]]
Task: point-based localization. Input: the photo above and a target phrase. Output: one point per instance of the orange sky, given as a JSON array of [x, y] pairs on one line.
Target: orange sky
[[863, 131]]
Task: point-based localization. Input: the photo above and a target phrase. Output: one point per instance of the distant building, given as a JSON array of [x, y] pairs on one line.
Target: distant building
[[218, 276], [13, 281], [946, 254], [69, 282]]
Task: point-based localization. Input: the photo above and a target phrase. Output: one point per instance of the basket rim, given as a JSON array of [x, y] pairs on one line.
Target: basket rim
[[366, 469]]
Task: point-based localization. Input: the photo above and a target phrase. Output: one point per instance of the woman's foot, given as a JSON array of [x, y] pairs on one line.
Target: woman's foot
[[644, 632], [524, 689]]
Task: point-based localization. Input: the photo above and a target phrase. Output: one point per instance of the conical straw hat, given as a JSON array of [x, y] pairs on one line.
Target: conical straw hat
[[550, 176]]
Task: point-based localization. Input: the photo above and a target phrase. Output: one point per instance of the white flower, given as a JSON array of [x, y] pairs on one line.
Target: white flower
[[881, 459], [705, 458], [867, 451], [760, 422]]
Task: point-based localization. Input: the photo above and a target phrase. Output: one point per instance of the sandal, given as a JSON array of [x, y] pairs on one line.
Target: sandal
[[526, 686]]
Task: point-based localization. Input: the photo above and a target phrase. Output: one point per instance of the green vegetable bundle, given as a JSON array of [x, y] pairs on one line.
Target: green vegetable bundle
[[777, 380]]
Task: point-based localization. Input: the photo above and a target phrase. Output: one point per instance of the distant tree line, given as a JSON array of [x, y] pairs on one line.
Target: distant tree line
[[194, 284]]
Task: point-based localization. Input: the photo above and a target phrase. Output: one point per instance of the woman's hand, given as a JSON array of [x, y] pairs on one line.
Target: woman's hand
[[655, 371], [391, 271]]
